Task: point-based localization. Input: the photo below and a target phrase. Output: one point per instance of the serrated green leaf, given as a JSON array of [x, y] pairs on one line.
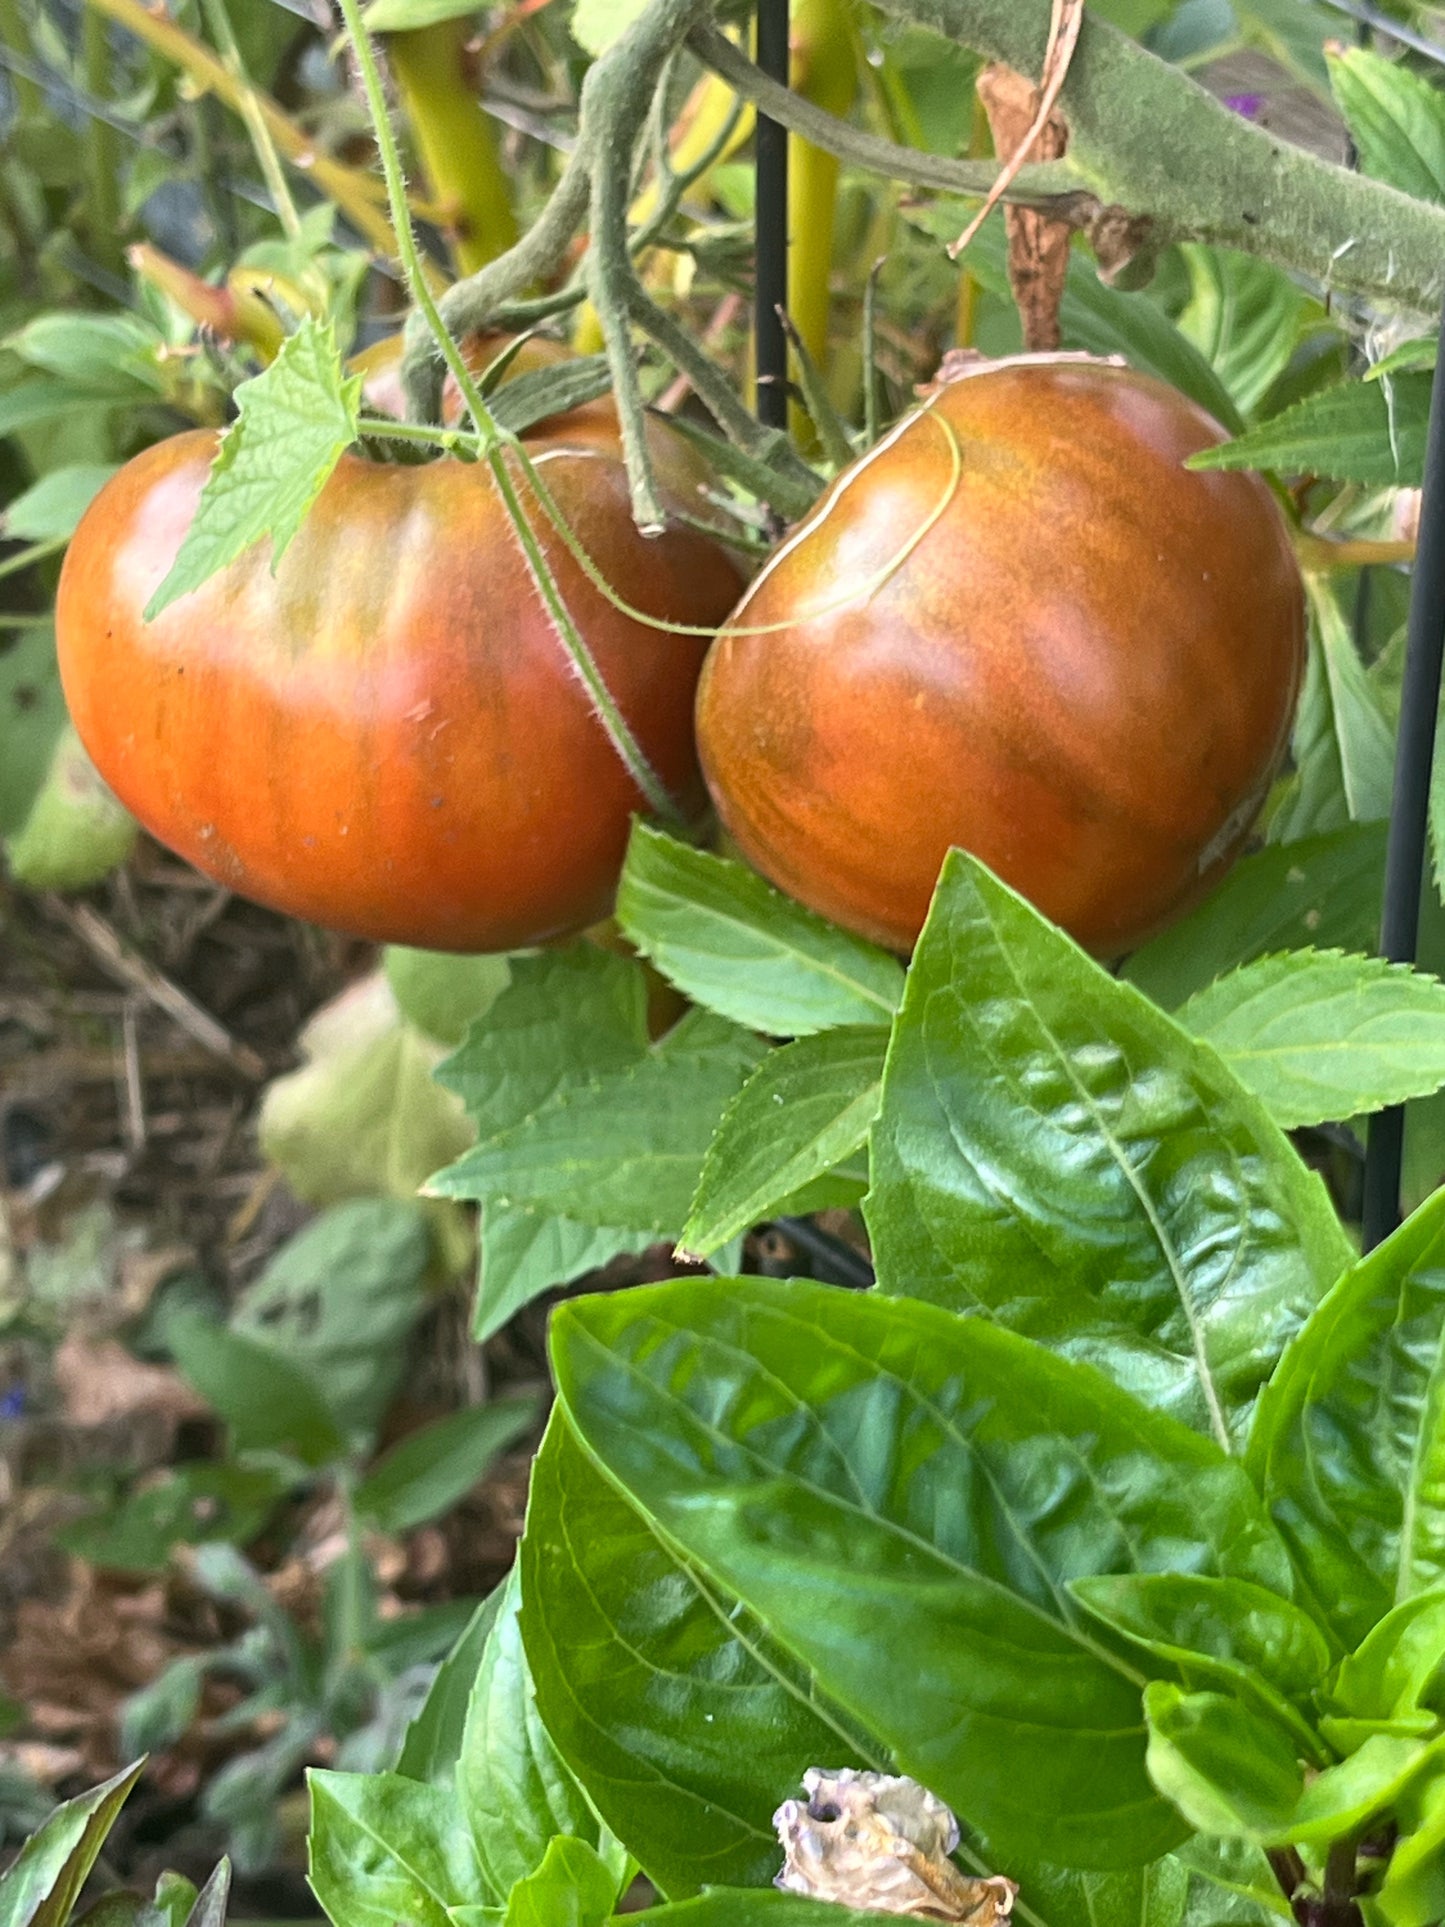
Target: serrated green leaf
[[1344, 745], [1055, 1153], [431, 1469], [1371, 432], [794, 1443], [804, 1109], [1322, 891], [733, 943], [1348, 1446], [294, 423], [624, 1148], [524, 1253], [1396, 120], [1319, 1035], [51, 508]]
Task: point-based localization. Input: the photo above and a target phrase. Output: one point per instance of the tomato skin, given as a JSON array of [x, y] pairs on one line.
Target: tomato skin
[[1084, 673], [387, 736]]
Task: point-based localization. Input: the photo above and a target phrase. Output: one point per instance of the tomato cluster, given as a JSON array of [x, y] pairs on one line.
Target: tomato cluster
[[1019, 625]]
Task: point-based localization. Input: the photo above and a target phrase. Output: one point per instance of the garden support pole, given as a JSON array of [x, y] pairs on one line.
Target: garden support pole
[[771, 268], [1410, 805]]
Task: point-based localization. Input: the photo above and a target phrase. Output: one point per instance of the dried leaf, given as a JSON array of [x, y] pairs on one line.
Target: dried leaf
[[881, 1843], [1038, 248], [1065, 21]]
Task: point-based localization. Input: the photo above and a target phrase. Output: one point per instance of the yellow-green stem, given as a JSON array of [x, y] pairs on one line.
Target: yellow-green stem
[[825, 72], [103, 201], [455, 140]]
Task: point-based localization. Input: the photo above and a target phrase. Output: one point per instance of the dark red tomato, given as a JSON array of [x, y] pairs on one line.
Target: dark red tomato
[[386, 736], [594, 423], [1083, 673]]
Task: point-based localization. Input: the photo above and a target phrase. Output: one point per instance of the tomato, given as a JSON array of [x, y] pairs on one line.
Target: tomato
[[594, 423], [387, 736], [1083, 671]]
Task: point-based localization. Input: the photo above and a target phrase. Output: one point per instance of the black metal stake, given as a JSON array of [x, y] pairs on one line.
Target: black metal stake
[[771, 267], [1409, 808]]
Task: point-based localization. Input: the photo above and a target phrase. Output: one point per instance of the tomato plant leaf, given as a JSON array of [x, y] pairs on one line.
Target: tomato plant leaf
[[43, 1882], [1396, 120], [524, 1253], [1054, 1151], [736, 945], [1371, 432], [433, 1740], [792, 1441], [1323, 891], [572, 1887], [519, 404], [515, 1790], [1347, 1441], [623, 1148], [804, 1109], [431, 1469], [32, 718], [442, 994], [1344, 745], [383, 1849], [1317, 1034], [294, 422]]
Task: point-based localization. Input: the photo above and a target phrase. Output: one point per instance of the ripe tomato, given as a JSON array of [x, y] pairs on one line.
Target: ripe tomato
[[1083, 673], [386, 736]]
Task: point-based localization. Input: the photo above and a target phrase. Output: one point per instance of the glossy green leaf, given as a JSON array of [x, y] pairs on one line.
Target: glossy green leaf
[[1324, 891], [796, 1444], [1231, 1881], [1412, 1893], [434, 1738], [1055, 1152], [1317, 1034], [621, 1149], [682, 1718], [1348, 1437], [295, 421], [1344, 745], [1358, 431], [1396, 119], [1243, 315], [1228, 1769], [431, 1469], [269, 1402], [43, 1882], [572, 1887], [514, 1788], [1228, 1624], [804, 1109], [733, 943], [384, 1849], [1399, 1667]]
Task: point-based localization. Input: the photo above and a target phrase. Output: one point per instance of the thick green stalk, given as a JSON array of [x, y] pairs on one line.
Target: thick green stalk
[[455, 140], [103, 187]]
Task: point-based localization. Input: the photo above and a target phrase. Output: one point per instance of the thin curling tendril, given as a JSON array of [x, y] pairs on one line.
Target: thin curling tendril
[[878, 580]]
